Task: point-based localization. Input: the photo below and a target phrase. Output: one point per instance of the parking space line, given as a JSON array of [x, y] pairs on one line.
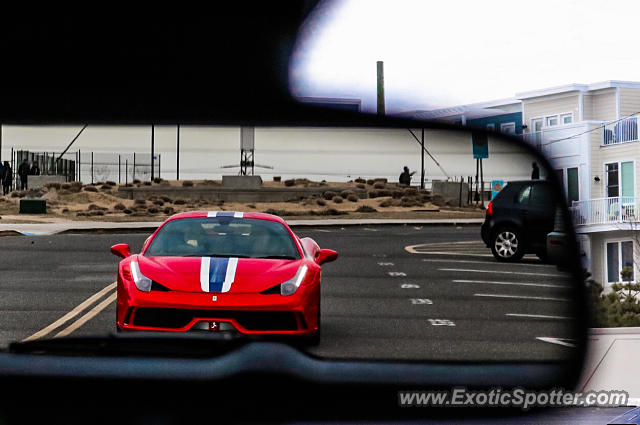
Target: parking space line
[[538, 316], [71, 314], [558, 341], [448, 260], [521, 297], [504, 272], [493, 282], [91, 314]]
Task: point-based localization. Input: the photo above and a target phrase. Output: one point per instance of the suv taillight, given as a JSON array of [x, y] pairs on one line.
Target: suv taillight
[[490, 208]]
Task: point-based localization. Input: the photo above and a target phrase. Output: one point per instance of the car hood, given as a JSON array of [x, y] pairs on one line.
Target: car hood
[[186, 273]]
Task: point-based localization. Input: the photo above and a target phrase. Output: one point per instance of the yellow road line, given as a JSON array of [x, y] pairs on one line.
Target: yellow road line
[[90, 315], [73, 313]]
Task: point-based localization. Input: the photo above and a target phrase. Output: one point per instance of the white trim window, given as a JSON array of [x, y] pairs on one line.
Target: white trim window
[[508, 128], [551, 121], [536, 124], [566, 118], [618, 254]]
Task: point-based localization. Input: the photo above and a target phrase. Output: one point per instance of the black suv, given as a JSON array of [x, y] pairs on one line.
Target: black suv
[[518, 220]]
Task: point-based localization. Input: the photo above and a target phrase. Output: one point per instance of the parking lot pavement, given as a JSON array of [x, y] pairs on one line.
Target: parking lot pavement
[[396, 292]]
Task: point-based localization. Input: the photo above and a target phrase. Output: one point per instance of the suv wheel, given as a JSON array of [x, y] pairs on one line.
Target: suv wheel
[[507, 245]]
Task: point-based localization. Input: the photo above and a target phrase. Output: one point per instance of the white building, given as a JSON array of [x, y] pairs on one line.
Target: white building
[[589, 132]]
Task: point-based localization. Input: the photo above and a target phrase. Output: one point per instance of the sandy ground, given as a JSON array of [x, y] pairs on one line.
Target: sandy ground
[[65, 204]]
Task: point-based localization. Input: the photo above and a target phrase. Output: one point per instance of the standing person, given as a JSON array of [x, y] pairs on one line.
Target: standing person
[[7, 178], [23, 172], [535, 173], [35, 169], [405, 177]]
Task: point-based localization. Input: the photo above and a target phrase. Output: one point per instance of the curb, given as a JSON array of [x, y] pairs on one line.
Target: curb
[[123, 227]]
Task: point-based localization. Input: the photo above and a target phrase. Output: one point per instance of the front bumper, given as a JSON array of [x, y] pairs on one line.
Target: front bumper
[[253, 313]]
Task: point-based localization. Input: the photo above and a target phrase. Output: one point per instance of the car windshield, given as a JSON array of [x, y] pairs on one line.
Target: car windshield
[[223, 237]]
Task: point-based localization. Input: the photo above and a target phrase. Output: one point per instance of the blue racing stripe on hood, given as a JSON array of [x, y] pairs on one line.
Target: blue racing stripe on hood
[[217, 273]]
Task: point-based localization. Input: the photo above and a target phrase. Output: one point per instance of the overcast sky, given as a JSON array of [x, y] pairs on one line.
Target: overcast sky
[[443, 53]]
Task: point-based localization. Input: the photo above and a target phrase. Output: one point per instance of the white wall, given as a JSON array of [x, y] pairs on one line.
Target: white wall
[[316, 153]]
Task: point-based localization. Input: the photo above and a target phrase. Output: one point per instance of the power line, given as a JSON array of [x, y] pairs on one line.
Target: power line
[[596, 128]]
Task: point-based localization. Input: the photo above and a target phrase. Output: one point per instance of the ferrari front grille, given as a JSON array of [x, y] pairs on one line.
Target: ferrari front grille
[[250, 320]]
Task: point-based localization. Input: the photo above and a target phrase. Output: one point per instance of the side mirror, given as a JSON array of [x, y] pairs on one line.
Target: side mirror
[[121, 250], [326, 256]]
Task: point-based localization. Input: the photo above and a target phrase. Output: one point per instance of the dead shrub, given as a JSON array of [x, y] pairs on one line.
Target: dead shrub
[[345, 193], [378, 185], [321, 202], [329, 194], [90, 189], [187, 183], [119, 207], [366, 209], [289, 182], [360, 180], [352, 198], [127, 211], [337, 199]]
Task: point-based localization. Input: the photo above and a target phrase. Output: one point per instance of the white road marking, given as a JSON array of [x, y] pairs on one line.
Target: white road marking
[[90, 315], [492, 282], [322, 230], [447, 260], [409, 286], [558, 341], [396, 274], [538, 316], [441, 322], [73, 313], [385, 264], [521, 297], [504, 272], [421, 301], [466, 254]]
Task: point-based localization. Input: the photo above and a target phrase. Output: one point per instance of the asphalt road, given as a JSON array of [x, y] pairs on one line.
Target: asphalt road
[[396, 292]]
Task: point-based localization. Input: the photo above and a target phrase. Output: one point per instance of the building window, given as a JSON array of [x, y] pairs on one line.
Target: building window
[[573, 193], [536, 125], [620, 179], [552, 121], [566, 118], [491, 127], [619, 255], [508, 128], [611, 171]]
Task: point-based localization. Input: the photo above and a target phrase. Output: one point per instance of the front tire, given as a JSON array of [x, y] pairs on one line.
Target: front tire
[[507, 245]]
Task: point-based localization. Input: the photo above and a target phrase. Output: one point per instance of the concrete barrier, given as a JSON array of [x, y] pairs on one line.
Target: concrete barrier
[[242, 182], [450, 191], [38, 182], [611, 362], [264, 194]]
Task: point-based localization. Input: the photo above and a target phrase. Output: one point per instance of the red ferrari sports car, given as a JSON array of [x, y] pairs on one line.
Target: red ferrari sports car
[[222, 271]]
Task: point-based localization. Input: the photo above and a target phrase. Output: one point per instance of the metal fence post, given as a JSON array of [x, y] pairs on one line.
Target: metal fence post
[[119, 172], [91, 167], [134, 166]]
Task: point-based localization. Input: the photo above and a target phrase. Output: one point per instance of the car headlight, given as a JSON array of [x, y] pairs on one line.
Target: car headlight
[[291, 286], [142, 282]]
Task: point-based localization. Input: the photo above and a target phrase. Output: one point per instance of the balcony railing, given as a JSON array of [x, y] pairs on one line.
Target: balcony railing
[[625, 130], [619, 209]]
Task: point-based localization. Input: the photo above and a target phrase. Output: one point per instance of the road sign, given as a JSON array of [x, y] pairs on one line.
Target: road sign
[[496, 186], [480, 145]]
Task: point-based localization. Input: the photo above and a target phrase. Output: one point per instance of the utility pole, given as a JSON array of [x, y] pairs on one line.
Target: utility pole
[[152, 151], [422, 157], [380, 90], [178, 153]]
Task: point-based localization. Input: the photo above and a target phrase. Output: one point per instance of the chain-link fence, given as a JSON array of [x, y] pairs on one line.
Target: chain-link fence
[[88, 167]]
